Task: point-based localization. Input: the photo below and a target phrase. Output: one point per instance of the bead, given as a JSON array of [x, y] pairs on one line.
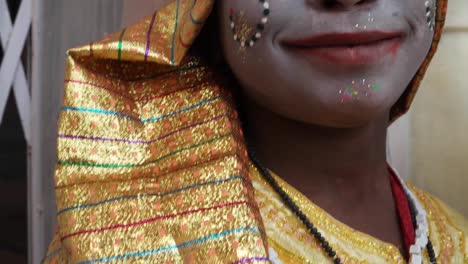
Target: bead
[[295, 208]]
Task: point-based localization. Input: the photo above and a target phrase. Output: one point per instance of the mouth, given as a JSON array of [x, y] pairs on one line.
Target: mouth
[[347, 48]]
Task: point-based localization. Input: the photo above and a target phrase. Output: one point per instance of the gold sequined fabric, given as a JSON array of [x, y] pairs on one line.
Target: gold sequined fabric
[[152, 164], [292, 243]]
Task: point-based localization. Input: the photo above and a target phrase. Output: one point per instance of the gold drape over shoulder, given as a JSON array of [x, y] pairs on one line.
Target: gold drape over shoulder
[[152, 164]]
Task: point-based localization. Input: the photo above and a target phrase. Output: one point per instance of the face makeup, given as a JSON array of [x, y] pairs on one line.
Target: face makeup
[[357, 90], [243, 33]]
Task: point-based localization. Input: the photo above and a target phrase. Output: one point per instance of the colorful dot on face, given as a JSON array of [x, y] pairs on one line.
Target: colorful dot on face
[[206, 223], [212, 252], [196, 174], [162, 232], [183, 228], [117, 241]]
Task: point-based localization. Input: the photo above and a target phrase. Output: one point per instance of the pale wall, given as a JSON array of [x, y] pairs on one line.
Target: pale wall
[[439, 117]]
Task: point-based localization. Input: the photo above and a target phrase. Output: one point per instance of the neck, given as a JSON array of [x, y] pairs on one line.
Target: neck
[[320, 160]]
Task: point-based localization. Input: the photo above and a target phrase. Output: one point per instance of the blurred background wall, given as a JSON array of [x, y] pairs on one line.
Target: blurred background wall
[[57, 26], [439, 116], [428, 146]]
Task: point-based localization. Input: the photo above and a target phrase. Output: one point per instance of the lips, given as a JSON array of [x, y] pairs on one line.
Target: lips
[[348, 48]]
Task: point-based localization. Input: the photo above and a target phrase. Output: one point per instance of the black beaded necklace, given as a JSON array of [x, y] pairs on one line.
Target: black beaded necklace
[[310, 226]]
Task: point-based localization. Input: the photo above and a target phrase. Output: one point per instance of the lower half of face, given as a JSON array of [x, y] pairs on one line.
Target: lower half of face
[[335, 63]]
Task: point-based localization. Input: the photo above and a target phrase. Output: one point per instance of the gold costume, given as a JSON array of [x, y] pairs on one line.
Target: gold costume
[[153, 167]]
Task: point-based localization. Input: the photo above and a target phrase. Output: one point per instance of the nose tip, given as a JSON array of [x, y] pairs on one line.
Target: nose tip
[[342, 4], [350, 3]]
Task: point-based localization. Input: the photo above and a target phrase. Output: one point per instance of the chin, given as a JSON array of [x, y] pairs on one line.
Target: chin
[[358, 113], [344, 115]]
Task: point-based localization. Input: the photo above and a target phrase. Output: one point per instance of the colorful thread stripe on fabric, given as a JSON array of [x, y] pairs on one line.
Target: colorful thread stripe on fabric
[[162, 217], [181, 245], [137, 196], [148, 36], [114, 166], [249, 260], [119, 54], [195, 21], [51, 254], [143, 142], [152, 119]]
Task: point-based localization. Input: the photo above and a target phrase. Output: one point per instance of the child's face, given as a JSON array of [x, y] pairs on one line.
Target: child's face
[[337, 63]]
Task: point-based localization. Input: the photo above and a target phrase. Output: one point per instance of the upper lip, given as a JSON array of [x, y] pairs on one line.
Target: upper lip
[[342, 39]]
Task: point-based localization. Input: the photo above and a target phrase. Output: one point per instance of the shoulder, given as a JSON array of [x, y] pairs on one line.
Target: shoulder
[[448, 228]]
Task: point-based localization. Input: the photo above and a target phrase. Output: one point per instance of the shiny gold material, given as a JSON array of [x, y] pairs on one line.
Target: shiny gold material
[[153, 168]]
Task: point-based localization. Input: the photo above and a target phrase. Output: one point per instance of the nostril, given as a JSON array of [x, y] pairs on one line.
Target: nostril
[[343, 4]]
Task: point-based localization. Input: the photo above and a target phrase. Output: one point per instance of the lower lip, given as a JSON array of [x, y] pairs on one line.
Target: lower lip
[[356, 55]]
